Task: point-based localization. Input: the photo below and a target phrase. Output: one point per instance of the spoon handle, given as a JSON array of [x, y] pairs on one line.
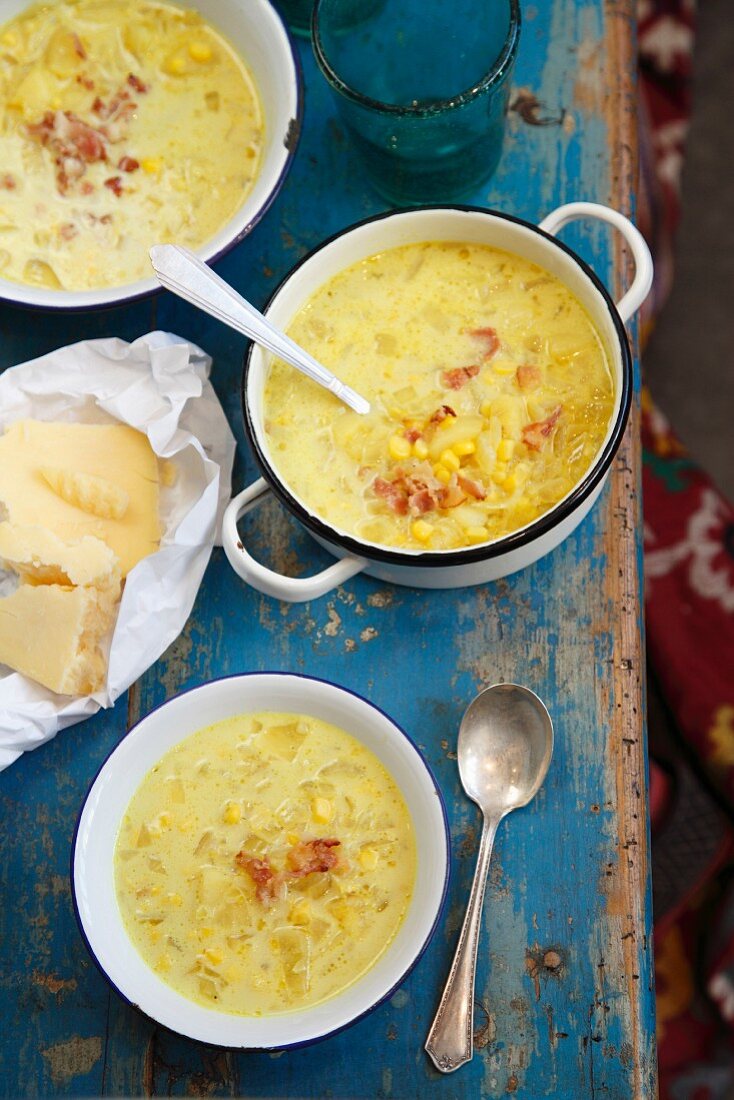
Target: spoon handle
[[450, 1041], [183, 273]]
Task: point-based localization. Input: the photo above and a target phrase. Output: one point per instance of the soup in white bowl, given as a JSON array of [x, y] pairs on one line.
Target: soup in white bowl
[[101, 918]]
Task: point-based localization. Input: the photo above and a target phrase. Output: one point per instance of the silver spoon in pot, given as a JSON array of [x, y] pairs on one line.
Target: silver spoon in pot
[[505, 747], [180, 271]]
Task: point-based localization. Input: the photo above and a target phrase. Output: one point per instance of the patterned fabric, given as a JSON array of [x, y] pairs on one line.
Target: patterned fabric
[[689, 604]]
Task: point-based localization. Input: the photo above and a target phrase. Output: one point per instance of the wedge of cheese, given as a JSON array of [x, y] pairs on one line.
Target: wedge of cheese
[[83, 479], [39, 556], [52, 633]]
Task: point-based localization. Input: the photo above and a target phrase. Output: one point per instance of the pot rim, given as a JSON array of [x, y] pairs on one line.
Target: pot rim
[[515, 540]]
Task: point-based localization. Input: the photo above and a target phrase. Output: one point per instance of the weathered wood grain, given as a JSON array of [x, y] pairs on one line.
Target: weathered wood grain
[[564, 999]]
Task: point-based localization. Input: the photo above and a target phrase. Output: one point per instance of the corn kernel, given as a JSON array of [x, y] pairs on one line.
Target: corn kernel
[[505, 448], [368, 858], [174, 899], [321, 810], [510, 483], [200, 51], [504, 366], [175, 65], [421, 530], [151, 165], [164, 820], [446, 422], [476, 534], [205, 933], [450, 460], [293, 838], [442, 473], [232, 813], [499, 473], [301, 912], [420, 449], [164, 964], [399, 447], [214, 955], [486, 409], [464, 447]]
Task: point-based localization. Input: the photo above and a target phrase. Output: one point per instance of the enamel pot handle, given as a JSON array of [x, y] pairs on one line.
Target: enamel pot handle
[[635, 296], [291, 589]]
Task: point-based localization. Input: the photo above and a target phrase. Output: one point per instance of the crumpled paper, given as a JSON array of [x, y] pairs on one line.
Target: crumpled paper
[[159, 385]]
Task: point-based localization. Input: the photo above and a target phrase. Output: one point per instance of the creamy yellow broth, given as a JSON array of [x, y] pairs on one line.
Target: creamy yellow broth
[[213, 855], [122, 123], [490, 388]]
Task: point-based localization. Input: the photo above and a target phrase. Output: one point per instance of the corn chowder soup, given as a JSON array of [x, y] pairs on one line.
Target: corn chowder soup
[[491, 394], [122, 123], [265, 863]]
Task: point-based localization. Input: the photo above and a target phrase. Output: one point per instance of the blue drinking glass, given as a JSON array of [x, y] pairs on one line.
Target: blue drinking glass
[[422, 89]]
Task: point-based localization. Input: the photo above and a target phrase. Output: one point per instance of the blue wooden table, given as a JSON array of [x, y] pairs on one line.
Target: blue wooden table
[[565, 1003]]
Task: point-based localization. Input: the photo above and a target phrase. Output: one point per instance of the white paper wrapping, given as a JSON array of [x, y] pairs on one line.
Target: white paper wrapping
[[159, 385]]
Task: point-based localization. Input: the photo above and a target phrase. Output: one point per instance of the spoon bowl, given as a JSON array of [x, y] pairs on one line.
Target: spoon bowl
[[505, 748]]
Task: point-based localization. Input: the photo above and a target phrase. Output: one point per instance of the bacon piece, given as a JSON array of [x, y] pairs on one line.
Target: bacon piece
[[441, 414], [471, 488], [535, 434], [67, 231], [267, 883], [421, 501], [411, 434], [72, 142], [310, 857], [85, 81], [78, 47], [489, 338], [128, 164], [457, 377], [115, 185], [116, 129], [393, 494], [527, 376], [451, 495], [137, 84], [86, 188], [7, 182]]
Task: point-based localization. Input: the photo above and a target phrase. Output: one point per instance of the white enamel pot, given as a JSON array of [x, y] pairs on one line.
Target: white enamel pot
[[260, 37], [487, 561]]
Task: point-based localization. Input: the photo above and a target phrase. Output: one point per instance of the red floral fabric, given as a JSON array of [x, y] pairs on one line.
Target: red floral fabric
[[689, 606]]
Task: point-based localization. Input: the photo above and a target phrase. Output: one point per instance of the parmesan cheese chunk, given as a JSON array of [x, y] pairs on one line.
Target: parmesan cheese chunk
[[52, 633], [96, 454], [52, 625], [39, 556]]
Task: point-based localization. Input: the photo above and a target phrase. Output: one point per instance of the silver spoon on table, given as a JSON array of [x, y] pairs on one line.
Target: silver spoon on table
[[180, 271], [505, 747]]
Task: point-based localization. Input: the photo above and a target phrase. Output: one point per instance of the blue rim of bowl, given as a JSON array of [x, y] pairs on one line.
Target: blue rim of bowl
[[406, 973], [485, 551], [291, 140], [500, 69]]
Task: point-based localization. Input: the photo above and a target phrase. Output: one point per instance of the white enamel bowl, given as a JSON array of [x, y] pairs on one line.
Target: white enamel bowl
[[94, 841], [258, 33], [493, 559]]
